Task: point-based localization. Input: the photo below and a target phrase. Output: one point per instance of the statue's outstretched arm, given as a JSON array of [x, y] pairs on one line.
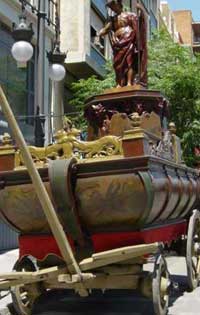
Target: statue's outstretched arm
[[105, 30]]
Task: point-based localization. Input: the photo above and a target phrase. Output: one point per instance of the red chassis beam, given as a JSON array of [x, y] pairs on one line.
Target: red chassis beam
[[40, 246]]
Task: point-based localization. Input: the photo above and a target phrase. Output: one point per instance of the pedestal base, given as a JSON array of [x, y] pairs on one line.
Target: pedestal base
[[100, 109]]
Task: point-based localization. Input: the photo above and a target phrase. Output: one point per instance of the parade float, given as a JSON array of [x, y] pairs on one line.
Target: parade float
[[90, 213]]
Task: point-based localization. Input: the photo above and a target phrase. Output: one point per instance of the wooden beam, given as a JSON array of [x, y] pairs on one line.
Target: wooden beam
[[8, 280], [101, 281], [117, 255]]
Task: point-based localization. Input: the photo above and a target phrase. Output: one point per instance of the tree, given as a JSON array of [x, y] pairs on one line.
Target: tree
[[85, 88], [174, 71]]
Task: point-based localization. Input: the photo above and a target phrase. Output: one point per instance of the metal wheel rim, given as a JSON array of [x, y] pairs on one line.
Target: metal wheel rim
[[192, 255], [160, 299]]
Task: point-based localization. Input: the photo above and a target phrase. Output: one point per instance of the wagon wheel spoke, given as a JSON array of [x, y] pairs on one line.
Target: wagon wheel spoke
[[192, 250], [23, 296], [27, 304], [194, 266], [198, 267], [161, 287]]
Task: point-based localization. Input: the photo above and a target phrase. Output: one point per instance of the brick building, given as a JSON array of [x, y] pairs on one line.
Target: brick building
[[181, 26], [167, 21]]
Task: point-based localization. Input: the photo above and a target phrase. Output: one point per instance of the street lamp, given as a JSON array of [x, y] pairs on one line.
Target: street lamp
[[56, 59], [22, 51]]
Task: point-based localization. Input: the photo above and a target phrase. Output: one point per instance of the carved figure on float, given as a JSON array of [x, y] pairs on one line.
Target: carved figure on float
[[128, 38]]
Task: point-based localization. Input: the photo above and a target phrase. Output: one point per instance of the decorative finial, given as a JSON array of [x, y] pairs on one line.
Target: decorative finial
[[6, 139], [172, 128], [135, 120]]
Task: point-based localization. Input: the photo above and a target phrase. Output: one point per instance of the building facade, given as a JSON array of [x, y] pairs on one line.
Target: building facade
[[80, 24], [152, 7], [20, 86], [188, 28], [181, 26], [167, 21]]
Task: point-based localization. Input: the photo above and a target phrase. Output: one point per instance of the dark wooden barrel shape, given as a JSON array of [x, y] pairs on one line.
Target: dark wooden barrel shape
[[20, 206], [185, 194], [111, 196], [115, 202], [173, 194]]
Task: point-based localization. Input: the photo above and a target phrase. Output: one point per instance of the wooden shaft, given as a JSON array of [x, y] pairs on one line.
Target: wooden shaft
[[138, 44], [41, 192]]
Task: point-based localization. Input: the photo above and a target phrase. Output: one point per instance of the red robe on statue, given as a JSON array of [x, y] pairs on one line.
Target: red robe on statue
[[130, 49]]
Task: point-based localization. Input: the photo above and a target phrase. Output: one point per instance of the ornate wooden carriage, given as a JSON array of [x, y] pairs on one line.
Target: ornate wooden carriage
[[119, 198], [90, 213]]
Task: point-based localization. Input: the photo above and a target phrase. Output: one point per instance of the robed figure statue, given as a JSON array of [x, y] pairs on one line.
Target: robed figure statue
[[128, 37]]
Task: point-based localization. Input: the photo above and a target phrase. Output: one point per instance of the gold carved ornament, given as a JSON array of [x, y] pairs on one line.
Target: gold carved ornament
[[68, 145]]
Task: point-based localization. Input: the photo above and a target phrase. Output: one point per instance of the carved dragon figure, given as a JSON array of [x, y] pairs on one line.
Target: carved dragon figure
[[67, 145]]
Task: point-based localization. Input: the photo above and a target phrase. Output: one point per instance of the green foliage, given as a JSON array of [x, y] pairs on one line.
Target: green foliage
[[190, 142], [174, 71], [85, 88]]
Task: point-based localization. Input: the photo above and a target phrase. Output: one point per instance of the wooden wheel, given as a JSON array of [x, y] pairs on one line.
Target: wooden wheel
[[193, 250], [23, 296], [161, 286]]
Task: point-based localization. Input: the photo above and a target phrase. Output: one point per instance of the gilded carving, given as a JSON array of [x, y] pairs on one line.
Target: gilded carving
[[67, 145], [6, 146]]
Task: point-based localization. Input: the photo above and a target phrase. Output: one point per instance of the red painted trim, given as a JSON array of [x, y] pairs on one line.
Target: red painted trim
[[39, 246], [166, 234]]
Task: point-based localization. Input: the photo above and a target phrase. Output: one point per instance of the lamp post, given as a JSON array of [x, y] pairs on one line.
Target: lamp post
[[22, 51]]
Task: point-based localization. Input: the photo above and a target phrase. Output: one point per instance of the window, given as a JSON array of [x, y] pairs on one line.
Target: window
[[18, 83], [100, 6], [98, 43], [51, 15], [96, 26], [50, 8]]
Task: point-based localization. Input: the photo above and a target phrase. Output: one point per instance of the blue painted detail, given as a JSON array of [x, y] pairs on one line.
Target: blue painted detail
[[97, 57], [100, 6], [8, 238]]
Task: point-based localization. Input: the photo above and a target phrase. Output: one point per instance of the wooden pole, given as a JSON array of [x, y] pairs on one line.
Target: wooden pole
[[138, 43], [41, 192]]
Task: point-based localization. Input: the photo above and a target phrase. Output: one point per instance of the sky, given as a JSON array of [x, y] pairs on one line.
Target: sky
[[193, 5]]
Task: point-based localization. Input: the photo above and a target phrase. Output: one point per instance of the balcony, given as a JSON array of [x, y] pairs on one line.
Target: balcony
[[196, 37], [80, 24], [196, 47]]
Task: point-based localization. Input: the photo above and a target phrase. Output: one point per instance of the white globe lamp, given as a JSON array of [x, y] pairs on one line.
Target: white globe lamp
[[57, 72], [56, 59], [22, 51]]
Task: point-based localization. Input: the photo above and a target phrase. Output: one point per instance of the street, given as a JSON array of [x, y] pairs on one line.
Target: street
[[110, 303]]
